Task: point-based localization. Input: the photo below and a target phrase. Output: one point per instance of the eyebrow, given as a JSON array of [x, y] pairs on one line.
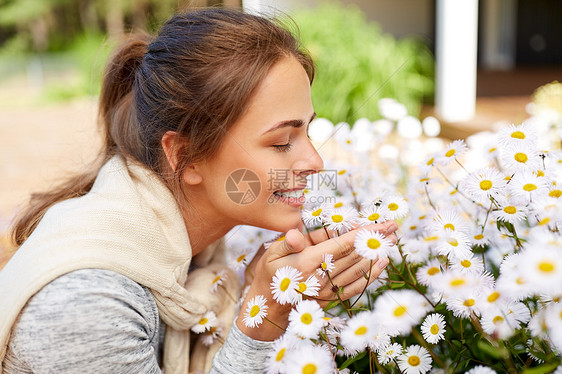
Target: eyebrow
[[291, 123]]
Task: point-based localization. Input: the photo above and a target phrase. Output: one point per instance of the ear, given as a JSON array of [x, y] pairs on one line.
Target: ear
[[172, 145]]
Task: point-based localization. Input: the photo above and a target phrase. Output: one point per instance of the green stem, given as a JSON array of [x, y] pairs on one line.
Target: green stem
[[349, 313]]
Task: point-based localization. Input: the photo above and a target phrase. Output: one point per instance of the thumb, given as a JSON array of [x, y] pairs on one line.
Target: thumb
[[293, 243]]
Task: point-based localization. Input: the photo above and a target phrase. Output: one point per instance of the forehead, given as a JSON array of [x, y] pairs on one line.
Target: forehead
[[284, 94]]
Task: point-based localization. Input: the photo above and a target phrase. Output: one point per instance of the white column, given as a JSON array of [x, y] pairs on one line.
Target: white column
[[456, 42]]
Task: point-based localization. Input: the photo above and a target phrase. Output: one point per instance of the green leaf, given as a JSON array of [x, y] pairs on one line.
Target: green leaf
[[546, 368], [351, 360], [331, 305], [394, 285], [495, 352]]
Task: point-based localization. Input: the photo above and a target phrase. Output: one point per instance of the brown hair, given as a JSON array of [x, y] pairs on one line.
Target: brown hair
[[195, 78]]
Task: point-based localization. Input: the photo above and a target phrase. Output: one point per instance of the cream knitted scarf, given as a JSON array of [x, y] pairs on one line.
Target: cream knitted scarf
[[128, 223]]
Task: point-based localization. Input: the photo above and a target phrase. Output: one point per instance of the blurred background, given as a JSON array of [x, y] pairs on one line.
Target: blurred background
[[52, 54]]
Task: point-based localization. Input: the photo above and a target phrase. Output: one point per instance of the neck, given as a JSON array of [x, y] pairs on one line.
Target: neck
[[203, 227]]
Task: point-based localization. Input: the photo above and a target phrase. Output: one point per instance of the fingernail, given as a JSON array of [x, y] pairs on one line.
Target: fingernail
[[383, 263]]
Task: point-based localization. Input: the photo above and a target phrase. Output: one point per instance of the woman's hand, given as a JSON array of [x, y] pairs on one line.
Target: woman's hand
[[305, 253]]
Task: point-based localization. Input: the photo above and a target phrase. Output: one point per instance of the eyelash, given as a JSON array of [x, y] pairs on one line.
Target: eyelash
[[283, 147]]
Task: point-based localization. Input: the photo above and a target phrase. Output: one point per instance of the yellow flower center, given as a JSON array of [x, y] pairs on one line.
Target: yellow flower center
[[284, 284], [546, 267], [217, 278], [373, 243], [342, 172], [555, 193], [317, 212], [430, 162], [518, 135], [306, 318], [413, 360], [432, 270], [466, 263], [431, 238], [413, 227], [544, 221], [457, 282], [281, 238], [493, 296], [338, 205], [280, 354], [393, 206], [361, 330], [324, 266], [348, 141], [510, 209], [309, 369], [497, 320], [540, 173], [529, 187], [254, 311], [450, 152], [452, 241], [520, 281], [302, 287], [398, 312], [492, 150], [520, 157], [240, 258], [449, 226], [203, 321], [485, 185], [434, 329], [468, 302], [479, 237], [337, 218], [374, 217]]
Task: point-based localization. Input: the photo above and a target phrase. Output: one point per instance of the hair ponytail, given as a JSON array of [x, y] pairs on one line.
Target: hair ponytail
[[118, 122]]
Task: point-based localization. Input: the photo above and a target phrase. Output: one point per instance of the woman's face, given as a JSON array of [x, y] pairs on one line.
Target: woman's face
[[258, 175]]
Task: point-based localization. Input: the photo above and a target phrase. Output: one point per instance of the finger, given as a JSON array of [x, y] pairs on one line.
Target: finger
[[355, 271], [293, 243], [356, 286], [393, 238], [386, 228]]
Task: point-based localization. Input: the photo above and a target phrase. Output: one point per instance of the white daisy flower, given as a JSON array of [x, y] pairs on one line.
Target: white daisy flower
[[388, 353], [553, 319], [218, 280], [429, 274], [516, 135], [309, 287], [480, 239], [415, 360], [256, 311], [379, 338], [447, 220], [511, 213], [490, 298], [373, 214], [433, 328], [455, 283], [315, 359], [452, 152], [483, 184], [481, 370], [502, 321], [306, 319], [212, 335], [397, 206], [465, 305], [208, 321], [468, 264], [415, 251], [241, 258], [312, 217], [521, 158], [340, 220], [526, 187], [356, 334], [543, 267], [285, 284], [326, 266], [372, 245], [454, 244], [426, 166], [275, 362], [400, 310]]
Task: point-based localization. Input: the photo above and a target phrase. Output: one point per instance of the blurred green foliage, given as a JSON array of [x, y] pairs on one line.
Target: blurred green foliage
[[357, 64]]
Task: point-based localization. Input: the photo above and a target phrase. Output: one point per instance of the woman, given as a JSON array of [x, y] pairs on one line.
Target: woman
[[121, 253]]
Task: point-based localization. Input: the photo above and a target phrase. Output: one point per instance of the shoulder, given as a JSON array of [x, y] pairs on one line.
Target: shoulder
[[84, 318]]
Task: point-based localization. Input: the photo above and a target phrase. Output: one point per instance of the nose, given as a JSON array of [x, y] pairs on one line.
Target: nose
[[309, 162]]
